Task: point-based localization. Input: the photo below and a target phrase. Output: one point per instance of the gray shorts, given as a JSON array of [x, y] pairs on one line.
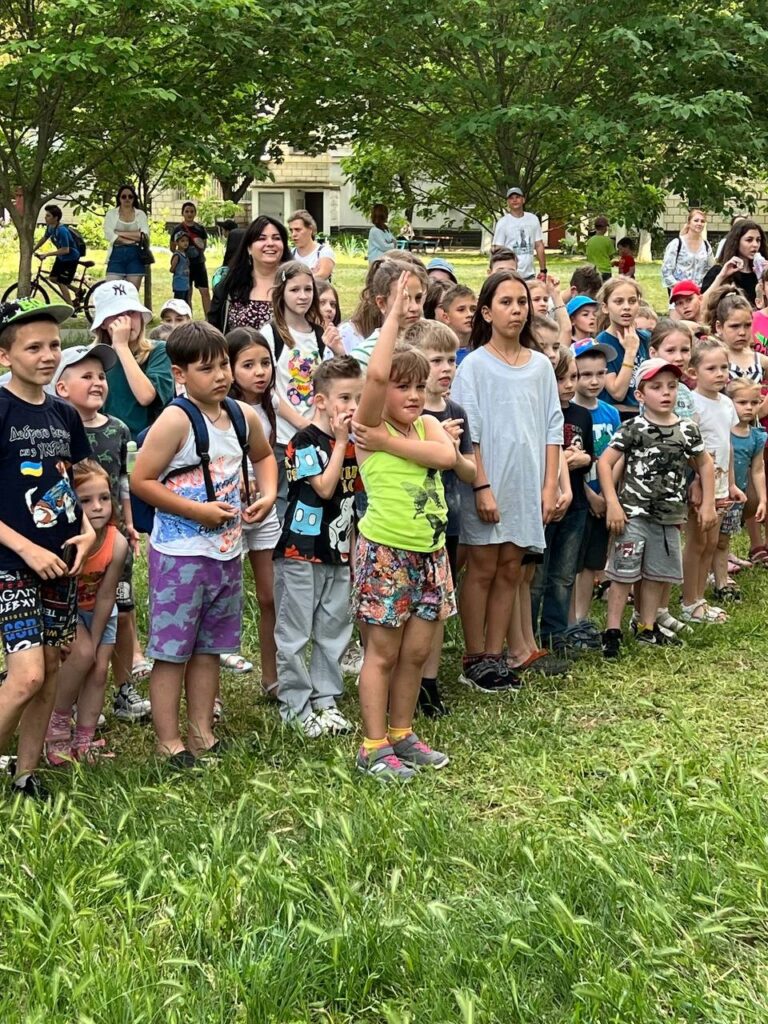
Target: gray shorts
[[646, 550]]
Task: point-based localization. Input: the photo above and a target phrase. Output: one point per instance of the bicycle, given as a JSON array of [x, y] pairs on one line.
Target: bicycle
[[81, 288]]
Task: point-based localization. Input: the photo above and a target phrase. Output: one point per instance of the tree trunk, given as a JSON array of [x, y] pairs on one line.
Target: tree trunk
[[233, 193], [24, 222], [148, 269]]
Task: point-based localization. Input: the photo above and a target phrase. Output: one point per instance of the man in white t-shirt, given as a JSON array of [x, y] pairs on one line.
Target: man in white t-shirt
[[520, 232]]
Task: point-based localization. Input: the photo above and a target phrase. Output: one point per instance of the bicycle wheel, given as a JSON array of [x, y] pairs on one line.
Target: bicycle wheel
[[35, 292]]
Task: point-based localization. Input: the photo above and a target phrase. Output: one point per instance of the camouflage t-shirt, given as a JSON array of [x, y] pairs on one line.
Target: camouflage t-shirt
[[109, 446], [656, 465]]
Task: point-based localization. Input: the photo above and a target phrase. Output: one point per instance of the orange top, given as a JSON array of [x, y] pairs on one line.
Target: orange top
[[94, 569]]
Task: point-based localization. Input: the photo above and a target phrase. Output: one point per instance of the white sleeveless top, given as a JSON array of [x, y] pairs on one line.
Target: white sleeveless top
[[173, 535]]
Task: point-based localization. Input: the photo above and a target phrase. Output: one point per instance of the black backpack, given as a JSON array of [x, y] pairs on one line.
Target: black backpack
[[279, 344], [80, 243], [144, 513]]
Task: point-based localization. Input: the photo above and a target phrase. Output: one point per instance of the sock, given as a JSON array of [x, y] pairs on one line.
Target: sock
[[429, 684], [59, 726], [469, 659], [84, 736], [399, 734], [371, 746]]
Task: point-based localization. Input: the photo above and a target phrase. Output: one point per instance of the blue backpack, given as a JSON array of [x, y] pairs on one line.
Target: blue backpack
[[143, 513]]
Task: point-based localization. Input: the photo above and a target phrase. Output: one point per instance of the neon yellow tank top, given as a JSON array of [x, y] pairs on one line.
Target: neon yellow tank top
[[406, 502]]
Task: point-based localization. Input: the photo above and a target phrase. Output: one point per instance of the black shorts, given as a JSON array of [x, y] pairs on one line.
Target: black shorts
[[595, 546], [452, 547], [36, 612], [124, 596], [63, 271], [198, 273]]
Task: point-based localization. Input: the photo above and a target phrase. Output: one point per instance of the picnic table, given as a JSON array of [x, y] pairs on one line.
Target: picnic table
[[424, 243]]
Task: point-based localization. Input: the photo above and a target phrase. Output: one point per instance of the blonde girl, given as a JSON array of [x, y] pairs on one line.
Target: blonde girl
[[619, 301], [385, 295], [749, 440]]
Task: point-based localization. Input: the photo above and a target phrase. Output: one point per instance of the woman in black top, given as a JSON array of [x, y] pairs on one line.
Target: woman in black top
[[742, 260], [198, 239]]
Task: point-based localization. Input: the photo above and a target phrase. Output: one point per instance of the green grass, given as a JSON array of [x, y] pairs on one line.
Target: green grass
[[595, 852], [350, 273]]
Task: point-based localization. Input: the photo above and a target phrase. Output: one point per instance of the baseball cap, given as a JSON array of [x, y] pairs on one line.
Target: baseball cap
[[440, 264], [579, 302], [648, 369], [228, 224], [515, 191], [588, 347], [77, 353], [18, 310], [684, 288], [115, 297], [178, 306]]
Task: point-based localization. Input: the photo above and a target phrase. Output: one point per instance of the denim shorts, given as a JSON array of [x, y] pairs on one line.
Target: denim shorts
[[125, 260], [109, 636]]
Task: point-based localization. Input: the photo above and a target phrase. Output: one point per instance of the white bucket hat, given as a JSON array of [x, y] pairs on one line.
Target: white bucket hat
[[115, 297]]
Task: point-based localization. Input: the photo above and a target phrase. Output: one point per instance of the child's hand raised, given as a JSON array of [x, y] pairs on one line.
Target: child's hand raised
[[332, 340], [120, 330], [454, 429], [214, 514], [341, 423], [370, 439], [401, 307]]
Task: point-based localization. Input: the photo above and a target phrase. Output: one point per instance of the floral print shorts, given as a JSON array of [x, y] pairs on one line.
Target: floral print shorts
[[392, 584]]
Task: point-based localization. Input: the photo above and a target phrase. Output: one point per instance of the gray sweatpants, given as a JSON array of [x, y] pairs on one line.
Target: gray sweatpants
[[311, 603]]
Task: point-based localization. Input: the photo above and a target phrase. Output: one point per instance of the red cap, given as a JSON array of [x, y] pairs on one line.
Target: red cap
[[684, 288]]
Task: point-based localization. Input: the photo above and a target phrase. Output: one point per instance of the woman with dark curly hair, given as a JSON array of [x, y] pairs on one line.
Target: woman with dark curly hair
[[742, 260]]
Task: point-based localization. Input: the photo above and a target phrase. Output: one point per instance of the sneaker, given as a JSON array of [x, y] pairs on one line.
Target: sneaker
[[32, 788], [612, 639], [129, 705], [352, 659], [383, 764], [489, 675], [545, 664], [431, 704], [581, 636], [670, 623], [657, 637], [414, 752], [311, 726], [634, 625], [332, 721]]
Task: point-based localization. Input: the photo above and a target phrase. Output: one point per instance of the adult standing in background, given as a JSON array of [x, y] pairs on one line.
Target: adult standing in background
[[600, 250], [198, 240], [232, 237], [317, 257], [688, 257], [380, 238], [520, 232], [124, 225], [744, 257]]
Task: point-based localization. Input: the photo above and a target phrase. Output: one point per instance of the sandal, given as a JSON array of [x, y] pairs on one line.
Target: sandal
[[727, 593], [734, 566], [141, 669], [709, 614], [269, 690], [92, 752], [759, 555], [743, 563], [236, 663]]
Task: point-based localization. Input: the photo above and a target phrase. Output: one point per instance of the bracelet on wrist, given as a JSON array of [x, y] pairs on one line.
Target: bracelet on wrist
[[629, 366], [561, 306], [482, 487]]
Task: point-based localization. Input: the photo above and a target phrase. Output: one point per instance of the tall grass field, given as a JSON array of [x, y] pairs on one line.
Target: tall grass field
[[595, 853]]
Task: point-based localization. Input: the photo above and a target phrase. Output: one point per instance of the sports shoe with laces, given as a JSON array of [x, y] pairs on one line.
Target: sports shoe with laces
[[431, 703], [612, 643], [581, 636], [310, 726], [129, 705], [352, 659], [657, 637], [489, 675], [383, 764], [332, 721], [31, 788], [415, 752]]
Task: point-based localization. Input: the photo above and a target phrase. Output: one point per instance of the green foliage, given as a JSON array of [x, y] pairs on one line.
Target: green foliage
[[209, 210]]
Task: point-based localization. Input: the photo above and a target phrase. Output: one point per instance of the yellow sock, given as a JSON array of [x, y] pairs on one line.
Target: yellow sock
[[399, 734], [370, 745]]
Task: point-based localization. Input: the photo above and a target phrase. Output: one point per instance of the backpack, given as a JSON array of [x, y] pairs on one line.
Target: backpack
[[78, 240], [144, 513], [279, 344], [707, 250]]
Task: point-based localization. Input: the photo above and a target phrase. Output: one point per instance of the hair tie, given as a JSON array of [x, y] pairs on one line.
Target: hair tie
[[282, 276]]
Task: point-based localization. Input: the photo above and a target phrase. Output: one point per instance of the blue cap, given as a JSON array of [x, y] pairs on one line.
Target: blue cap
[[579, 302], [440, 264], [588, 347]]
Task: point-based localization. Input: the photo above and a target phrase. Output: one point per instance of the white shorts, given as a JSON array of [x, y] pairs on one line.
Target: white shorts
[[262, 536]]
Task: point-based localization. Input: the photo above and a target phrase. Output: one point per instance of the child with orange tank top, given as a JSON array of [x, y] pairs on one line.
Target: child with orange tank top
[[83, 675]]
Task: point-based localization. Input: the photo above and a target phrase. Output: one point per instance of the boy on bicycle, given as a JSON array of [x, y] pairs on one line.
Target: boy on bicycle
[[66, 252]]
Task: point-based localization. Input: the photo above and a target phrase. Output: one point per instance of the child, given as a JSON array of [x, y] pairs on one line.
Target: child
[[715, 417], [502, 259], [584, 281], [312, 555], [591, 366], [600, 250], [180, 268], [81, 380], [554, 578], [253, 382], [748, 441], [176, 311], [626, 261], [439, 344], [685, 301], [646, 317], [403, 582], [582, 312], [504, 381], [618, 301], [731, 322], [195, 578], [83, 676], [656, 448], [547, 335], [328, 304], [295, 336], [44, 539], [384, 289], [456, 309], [546, 304]]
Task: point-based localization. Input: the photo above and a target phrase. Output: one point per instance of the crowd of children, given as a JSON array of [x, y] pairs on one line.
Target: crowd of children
[[508, 455]]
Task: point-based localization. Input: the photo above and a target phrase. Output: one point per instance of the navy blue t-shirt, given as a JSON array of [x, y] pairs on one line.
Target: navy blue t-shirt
[[61, 238], [451, 483], [39, 444], [614, 366]]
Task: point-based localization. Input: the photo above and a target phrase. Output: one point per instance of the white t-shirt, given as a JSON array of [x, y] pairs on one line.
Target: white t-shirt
[[322, 252], [350, 336], [520, 234], [293, 377], [716, 417]]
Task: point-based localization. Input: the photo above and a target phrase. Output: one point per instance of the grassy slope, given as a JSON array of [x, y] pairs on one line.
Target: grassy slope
[[595, 852]]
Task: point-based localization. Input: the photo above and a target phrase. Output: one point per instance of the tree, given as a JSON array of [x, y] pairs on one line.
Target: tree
[[576, 102]]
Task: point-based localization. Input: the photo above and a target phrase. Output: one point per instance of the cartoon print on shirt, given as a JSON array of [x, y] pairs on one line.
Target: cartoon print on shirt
[[57, 499], [300, 369], [339, 528]]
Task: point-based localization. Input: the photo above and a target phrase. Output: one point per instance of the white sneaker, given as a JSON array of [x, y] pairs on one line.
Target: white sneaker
[[333, 722], [352, 659], [311, 727]]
